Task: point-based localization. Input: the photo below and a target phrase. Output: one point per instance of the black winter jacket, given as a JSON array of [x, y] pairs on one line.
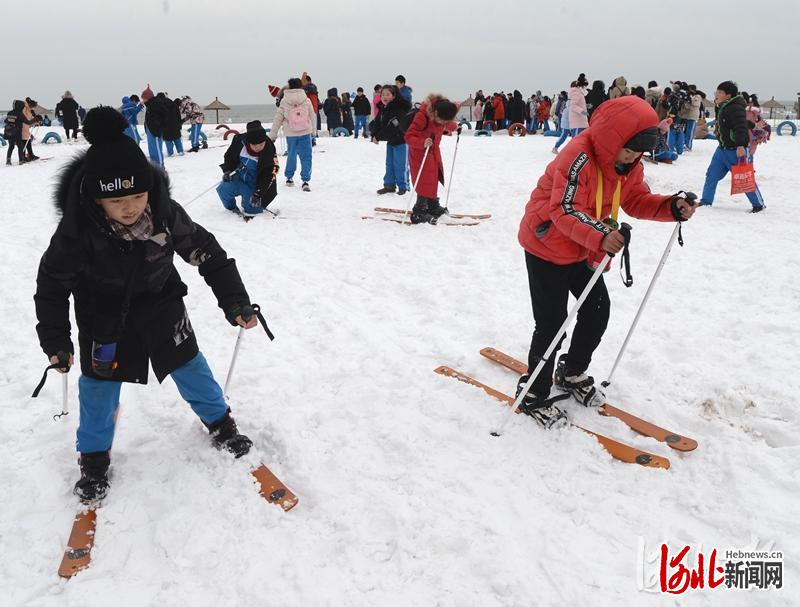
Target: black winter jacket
[[172, 120], [68, 110], [732, 126], [155, 118], [362, 106], [86, 260], [266, 171], [386, 125]]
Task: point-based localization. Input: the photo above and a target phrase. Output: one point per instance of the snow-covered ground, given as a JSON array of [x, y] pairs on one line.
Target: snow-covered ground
[[405, 499]]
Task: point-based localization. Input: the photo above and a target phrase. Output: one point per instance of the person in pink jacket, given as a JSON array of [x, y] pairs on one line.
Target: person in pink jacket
[[578, 114]]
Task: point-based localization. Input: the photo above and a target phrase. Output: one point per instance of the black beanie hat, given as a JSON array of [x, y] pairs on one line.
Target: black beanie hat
[[400, 78], [255, 133], [643, 141], [446, 109], [114, 165]]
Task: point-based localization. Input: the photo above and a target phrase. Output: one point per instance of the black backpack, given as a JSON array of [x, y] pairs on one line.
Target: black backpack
[[407, 119], [11, 126]]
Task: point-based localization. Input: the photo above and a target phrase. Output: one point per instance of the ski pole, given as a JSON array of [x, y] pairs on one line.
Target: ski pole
[[63, 359], [656, 274], [452, 168], [625, 229], [206, 191], [419, 174], [246, 314]]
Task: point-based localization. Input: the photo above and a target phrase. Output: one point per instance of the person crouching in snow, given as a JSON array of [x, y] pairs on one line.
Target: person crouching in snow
[[249, 170], [113, 252], [425, 133], [386, 127], [563, 231]]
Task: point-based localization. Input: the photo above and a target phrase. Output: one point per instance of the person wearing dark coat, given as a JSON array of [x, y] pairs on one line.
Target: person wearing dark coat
[[67, 111], [596, 96], [733, 134], [362, 108], [12, 131], [516, 109], [488, 113], [113, 251], [347, 113], [386, 127], [173, 121], [154, 120], [332, 108]]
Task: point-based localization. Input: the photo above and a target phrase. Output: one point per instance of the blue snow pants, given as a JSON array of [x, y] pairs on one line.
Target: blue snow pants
[[721, 163], [396, 166]]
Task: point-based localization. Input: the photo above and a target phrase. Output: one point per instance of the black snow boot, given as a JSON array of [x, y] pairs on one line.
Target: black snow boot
[[420, 214], [387, 189], [578, 384], [226, 436], [93, 484], [541, 407]]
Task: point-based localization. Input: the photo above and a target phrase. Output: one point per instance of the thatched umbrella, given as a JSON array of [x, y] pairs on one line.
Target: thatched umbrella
[[41, 111], [468, 103], [216, 105], [772, 105], [708, 103]]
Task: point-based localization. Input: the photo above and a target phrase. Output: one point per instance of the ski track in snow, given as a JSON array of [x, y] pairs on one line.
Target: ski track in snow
[[405, 499]]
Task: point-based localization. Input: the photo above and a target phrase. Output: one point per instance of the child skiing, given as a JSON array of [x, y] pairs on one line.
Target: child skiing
[[569, 223], [386, 127], [296, 116], [423, 137], [249, 170], [113, 252]]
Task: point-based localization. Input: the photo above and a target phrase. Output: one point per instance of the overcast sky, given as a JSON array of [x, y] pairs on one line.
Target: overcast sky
[[233, 49]]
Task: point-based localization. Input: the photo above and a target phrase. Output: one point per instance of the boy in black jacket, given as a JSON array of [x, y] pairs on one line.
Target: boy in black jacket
[[12, 131], [386, 127], [362, 107], [113, 252], [733, 134], [249, 171]]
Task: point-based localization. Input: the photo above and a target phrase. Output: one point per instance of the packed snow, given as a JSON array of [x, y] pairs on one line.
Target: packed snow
[[405, 498]]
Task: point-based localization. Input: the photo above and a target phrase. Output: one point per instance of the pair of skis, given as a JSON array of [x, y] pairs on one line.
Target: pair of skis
[[78, 553], [618, 450], [452, 219]]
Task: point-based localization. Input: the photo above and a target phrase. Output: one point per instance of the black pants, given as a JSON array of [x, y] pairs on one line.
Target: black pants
[[19, 143], [74, 132], [550, 286]]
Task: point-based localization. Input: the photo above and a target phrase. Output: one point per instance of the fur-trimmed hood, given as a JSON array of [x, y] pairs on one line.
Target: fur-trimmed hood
[[77, 210]]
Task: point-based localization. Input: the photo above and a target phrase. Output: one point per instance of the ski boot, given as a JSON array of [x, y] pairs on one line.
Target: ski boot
[[579, 385], [93, 483], [387, 189], [226, 435], [541, 407]]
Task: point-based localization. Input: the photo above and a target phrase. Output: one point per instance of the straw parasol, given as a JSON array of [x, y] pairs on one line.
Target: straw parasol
[[772, 105], [708, 103], [216, 105], [468, 103]]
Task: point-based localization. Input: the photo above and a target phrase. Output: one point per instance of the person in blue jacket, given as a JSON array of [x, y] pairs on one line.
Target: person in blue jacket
[[131, 106], [249, 170], [402, 89]]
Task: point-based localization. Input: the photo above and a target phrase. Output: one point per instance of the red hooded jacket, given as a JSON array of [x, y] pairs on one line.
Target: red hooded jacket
[[560, 223], [420, 129], [499, 108]]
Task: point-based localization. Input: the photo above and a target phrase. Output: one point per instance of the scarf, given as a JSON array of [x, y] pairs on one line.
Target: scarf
[[141, 230]]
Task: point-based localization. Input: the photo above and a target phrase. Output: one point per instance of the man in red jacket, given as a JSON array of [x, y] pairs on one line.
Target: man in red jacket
[[425, 131], [569, 226]]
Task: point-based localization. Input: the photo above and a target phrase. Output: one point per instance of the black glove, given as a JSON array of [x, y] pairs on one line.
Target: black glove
[[244, 310], [689, 197], [227, 175], [255, 199]]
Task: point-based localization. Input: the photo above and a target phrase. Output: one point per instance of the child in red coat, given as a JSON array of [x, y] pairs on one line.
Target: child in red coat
[[434, 116]]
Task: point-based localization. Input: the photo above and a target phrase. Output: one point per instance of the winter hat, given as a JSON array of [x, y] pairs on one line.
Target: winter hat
[[147, 94], [360, 89], [114, 165], [643, 141], [334, 92], [255, 133], [66, 95], [446, 109], [274, 90], [400, 78]]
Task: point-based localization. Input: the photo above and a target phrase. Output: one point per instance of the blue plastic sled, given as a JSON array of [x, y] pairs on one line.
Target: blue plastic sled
[[2, 141], [482, 133], [792, 127], [340, 131], [466, 123]]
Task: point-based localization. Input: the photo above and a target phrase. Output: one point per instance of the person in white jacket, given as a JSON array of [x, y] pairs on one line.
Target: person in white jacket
[[296, 116]]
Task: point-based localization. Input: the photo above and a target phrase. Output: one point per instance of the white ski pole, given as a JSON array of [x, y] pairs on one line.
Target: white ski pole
[[64, 360], [452, 168], [657, 273], [419, 174], [247, 314], [572, 314]]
